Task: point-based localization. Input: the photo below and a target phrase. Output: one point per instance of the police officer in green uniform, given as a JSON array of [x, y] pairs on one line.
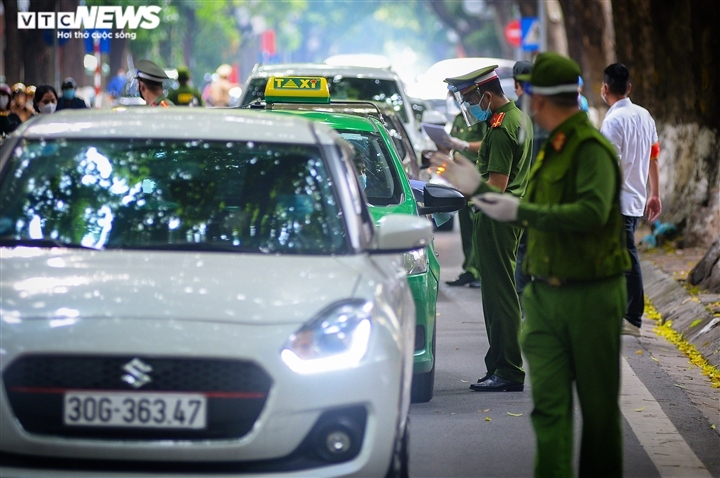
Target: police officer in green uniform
[[503, 162], [466, 141], [150, 83], [577, 256], [185, 95]]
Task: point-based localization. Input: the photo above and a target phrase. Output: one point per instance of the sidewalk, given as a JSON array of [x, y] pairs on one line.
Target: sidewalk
[[696, 315]]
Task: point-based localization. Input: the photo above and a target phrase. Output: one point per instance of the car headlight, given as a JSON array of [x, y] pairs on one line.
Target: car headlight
[[337, 339], [415, 262]]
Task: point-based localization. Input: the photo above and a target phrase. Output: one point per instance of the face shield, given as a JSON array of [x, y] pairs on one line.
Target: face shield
[[471, 113]]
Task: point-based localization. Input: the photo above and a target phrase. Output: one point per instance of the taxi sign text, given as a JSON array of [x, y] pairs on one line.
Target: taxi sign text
[[297, 89]]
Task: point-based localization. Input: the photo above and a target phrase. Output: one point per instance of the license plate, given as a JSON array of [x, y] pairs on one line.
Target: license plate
[[135, 409]]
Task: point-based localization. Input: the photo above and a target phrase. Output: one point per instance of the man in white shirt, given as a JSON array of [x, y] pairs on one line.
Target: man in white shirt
[[631, 129]]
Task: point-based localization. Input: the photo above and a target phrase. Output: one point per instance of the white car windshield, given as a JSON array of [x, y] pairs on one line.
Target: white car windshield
[[170, 195]]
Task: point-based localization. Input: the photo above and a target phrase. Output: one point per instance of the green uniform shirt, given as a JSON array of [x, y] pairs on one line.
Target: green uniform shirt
[[471, 134], [162, 100], [185, 95], [507, 147], [572, 207]]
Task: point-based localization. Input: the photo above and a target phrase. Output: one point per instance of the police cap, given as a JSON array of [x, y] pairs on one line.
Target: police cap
[[473, 79], [18, 88], [552, 74], [68, 84], [521, 68], [148, 70]]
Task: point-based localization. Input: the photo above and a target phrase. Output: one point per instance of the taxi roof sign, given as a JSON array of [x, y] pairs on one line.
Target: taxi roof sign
[[297, 89]]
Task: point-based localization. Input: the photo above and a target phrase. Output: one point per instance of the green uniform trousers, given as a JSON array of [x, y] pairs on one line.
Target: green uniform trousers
[[466, 232], [495, 246], [572, 334]]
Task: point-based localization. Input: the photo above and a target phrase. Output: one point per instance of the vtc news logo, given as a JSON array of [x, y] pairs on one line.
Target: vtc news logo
[[108, 17]]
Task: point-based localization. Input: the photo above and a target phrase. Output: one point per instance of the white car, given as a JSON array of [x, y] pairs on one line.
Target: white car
[[198, 292], [431, 87], [380, 85]]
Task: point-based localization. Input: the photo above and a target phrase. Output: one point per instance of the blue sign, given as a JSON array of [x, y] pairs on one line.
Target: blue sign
[[90, 35], [530, 33]]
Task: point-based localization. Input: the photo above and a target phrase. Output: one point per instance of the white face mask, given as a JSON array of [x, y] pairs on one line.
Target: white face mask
[[48, 108], [4, 100]]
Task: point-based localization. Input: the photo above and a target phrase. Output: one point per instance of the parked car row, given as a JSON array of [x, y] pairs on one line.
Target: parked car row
[[244, 290]]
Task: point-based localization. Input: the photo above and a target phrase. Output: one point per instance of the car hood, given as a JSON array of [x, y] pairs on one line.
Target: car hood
[[243, 288]]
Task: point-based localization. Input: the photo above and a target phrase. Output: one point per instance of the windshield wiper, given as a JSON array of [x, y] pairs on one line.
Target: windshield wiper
[[44, 242], [187, 246]]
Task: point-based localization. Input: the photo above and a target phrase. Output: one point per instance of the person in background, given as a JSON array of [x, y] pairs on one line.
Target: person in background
[[117, 83], [521, 68], [504, 162], [68, 100], [150, 84], [185, 95], [18, 102], [577, 257], [466, 141], [9, 121], [631, 129], [45, 100], [219, 93], [30, 94], [582, 101]]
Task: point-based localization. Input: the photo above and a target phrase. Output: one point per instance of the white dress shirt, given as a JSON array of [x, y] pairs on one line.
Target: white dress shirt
[[631, 129]]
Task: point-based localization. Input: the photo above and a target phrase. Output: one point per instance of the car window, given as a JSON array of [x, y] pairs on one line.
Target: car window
[[175, 195], [346, 88], [373, 163]]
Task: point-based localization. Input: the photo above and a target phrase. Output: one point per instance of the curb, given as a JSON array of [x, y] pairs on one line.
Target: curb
[[688, 315]]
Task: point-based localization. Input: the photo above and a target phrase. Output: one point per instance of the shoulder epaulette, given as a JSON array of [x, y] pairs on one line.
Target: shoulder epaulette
[[497, 120]]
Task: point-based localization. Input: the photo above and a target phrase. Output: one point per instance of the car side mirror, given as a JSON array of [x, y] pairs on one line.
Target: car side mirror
[[441, 198]]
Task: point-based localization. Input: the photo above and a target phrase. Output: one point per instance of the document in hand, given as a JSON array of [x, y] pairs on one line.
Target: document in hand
[[438, 134]]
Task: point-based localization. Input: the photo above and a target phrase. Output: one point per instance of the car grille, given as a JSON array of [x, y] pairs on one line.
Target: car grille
[[236, 392]]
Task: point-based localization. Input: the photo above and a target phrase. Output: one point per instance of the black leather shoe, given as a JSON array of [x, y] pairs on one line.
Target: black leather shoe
[[463, 279], [485, 377], [497, 384], [475, 284]]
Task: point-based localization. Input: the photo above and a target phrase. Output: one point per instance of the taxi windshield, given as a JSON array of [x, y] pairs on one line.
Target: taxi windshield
[[346, 88], [375, 167], [170, 195]]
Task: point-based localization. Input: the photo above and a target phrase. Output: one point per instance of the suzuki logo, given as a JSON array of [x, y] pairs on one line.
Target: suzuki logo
[[137, 373]]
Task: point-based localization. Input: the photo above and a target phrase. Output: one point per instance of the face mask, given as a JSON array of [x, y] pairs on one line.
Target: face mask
[[363, 180], [47, 108], [68, 94], [478, 112], [4, 100]]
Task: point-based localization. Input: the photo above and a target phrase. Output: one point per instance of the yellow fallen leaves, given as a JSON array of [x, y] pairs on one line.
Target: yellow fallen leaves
[[640, 409], [664, 329], [514, 414], [639, 352], [488, 419]]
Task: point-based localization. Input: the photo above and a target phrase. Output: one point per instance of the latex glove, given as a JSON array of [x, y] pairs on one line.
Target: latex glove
[[460, 172], [501, 207], [458, 144]]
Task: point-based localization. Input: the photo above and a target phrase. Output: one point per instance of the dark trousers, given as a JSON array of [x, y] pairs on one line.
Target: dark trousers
[[633, 277], [521, 280], [466, 231]]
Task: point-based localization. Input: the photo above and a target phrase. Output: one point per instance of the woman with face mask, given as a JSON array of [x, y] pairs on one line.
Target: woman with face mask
[[8, 120], [46, 99]]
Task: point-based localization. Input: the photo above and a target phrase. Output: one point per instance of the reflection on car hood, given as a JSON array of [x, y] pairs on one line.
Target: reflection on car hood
[[51, 284]]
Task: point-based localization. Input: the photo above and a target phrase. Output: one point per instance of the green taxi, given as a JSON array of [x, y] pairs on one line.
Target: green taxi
[[388, 191]]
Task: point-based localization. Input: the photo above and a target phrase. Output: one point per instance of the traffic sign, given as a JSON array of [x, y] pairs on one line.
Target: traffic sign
[[530, 33], [513, 33]]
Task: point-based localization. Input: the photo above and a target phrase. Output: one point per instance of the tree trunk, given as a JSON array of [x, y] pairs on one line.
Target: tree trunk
[[706, 273], [672, 52], [589, 35]]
